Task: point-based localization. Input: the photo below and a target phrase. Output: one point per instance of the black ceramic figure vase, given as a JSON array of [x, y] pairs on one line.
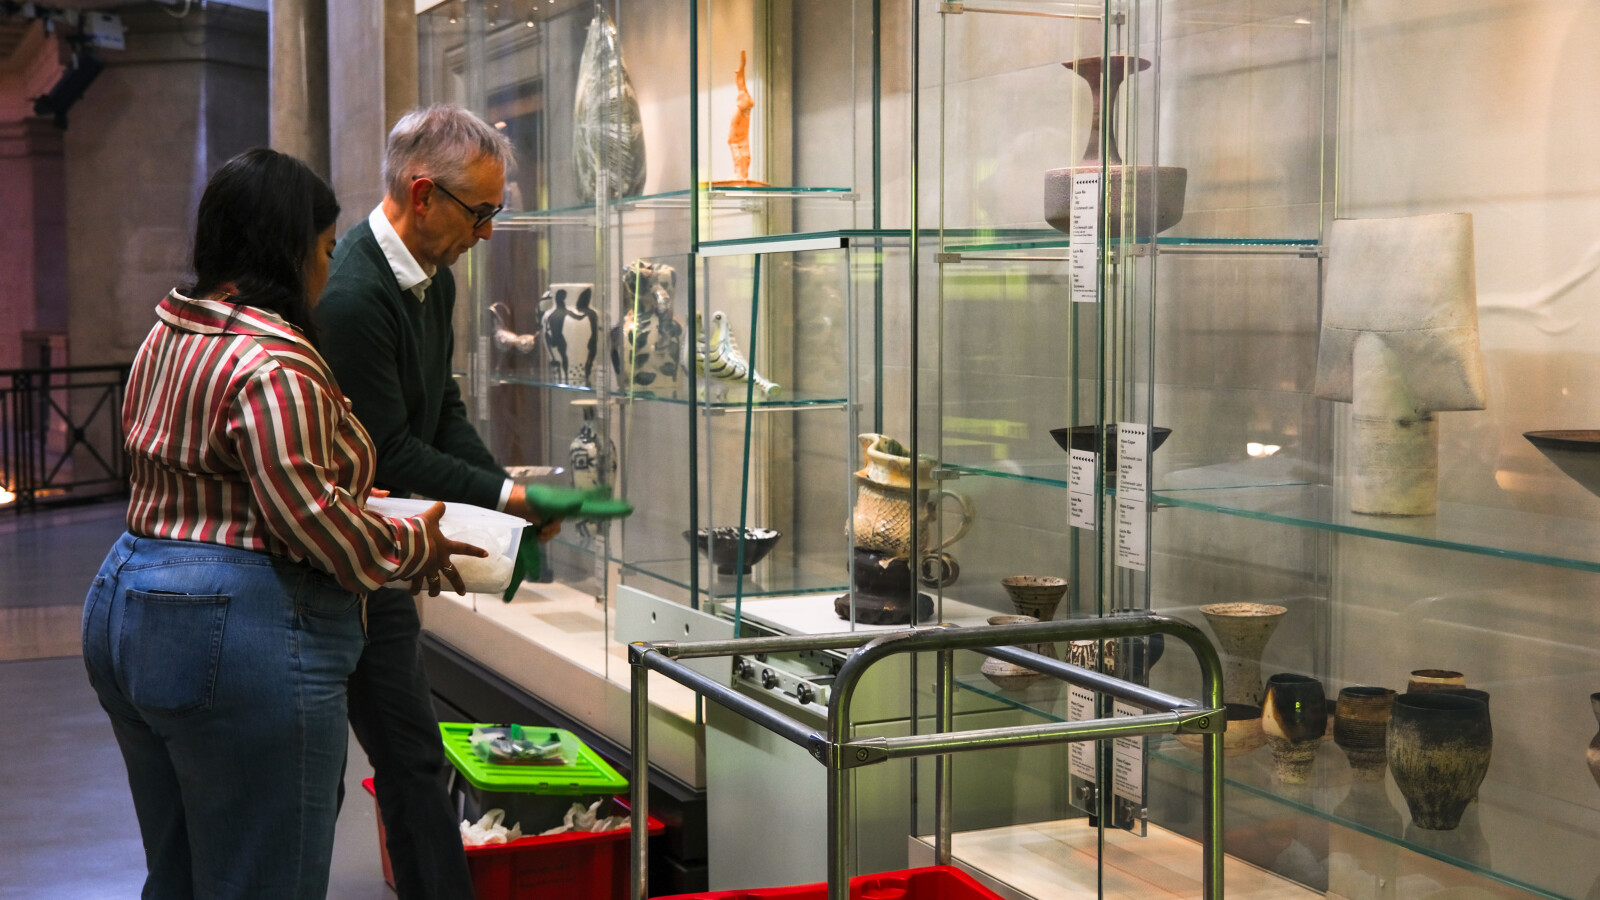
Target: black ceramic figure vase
[[1361, 729], [883, 591], [1439, 746], [1294, 717]]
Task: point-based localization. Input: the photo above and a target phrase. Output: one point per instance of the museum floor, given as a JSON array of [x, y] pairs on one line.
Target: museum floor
[[67, 827]]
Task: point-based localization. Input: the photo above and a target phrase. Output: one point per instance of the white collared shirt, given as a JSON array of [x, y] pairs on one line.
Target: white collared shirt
[[412, 275]]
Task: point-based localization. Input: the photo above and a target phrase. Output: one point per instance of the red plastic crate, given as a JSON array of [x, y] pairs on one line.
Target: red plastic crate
[[930, 883], [573, 866]]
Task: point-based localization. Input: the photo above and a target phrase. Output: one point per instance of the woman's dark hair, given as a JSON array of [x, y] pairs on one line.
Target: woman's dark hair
[[257, 226]]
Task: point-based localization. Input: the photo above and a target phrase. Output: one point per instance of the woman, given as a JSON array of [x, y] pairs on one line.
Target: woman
[[222, 626]]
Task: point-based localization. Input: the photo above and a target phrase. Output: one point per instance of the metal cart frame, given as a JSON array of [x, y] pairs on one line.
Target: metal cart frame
[[840, 755]]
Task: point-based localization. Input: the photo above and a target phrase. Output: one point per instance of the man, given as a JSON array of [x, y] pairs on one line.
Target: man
[[385, 319]]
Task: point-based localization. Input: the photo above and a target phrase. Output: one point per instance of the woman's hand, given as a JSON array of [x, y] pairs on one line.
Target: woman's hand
[[443, 548]]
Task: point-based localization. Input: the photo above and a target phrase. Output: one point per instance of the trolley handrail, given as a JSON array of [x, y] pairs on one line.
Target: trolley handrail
[[839, 755]]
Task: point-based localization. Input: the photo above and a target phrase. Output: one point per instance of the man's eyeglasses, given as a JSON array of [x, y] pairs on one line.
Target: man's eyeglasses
[[480, 217]]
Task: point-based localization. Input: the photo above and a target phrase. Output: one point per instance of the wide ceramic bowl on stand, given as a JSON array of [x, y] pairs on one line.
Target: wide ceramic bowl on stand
[[722, 545], [1242, 733], [1577, 453]]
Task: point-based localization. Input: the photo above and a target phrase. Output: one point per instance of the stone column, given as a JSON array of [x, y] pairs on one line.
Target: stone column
[[299, 80]]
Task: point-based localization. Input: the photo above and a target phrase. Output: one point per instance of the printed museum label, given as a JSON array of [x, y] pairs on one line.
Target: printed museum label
[[1084, 254], [1127, 776], [1080, 489], [1080, 754], [1133, 453], [1133, 538]]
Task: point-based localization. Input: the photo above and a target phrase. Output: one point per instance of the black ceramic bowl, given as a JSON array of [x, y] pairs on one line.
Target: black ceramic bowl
[[1085, 437], [722, 545]]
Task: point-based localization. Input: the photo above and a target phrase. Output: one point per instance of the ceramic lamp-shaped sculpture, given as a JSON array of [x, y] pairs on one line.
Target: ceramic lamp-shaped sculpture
[[1361, 727], [1439, 748], [1294, 717], [1156, 192], [1242, 630], [1399, 343]]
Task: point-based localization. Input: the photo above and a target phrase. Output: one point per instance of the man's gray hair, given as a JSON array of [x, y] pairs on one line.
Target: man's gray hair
[[440, 142]]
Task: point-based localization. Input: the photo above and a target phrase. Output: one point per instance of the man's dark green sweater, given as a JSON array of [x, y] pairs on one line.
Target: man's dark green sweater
[[392, 356]]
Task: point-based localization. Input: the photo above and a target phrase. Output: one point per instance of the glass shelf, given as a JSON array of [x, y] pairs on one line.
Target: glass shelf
[[729, 399], [777, 575], [1053, 472], [1378, 810], [1486, 530], [718, 197], [803, 241], [964, 244]]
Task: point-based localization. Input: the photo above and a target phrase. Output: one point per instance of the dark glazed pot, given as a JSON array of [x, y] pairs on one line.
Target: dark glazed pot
[[1361, 728], [1424, 680], [1439, 747], [1294, 717]]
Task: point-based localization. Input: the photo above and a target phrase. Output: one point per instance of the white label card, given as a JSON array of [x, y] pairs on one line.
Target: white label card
[[1080, 487], [1084, 254], [1133, 454], [1127, 777], [1133, 539], [1080, 754]]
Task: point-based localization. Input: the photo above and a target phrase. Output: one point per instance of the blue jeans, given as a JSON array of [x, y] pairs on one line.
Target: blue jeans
[[391, 712], [223, 672]]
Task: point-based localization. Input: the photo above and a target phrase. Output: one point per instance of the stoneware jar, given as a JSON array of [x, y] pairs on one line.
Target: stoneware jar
[[1439, 747], [1361, 728], [1294, 718]]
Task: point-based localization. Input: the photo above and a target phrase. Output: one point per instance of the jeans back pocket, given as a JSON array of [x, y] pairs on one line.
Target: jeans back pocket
[[170, 646]]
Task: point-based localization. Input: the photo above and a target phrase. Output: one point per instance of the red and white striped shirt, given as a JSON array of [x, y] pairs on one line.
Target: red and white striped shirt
[[238, 435]]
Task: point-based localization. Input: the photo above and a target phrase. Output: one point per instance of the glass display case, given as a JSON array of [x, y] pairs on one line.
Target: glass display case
[[1149, 284]]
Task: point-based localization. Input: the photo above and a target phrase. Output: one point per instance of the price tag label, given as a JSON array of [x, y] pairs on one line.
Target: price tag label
[[1084, 255], [1080, 754], [1127, 777]]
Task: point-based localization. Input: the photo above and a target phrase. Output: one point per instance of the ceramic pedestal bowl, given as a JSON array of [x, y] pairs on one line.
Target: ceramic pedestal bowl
[[722, 545], [1243, 732], [1035, 595], [1086, 437], [1158, 198], [1577, 453]]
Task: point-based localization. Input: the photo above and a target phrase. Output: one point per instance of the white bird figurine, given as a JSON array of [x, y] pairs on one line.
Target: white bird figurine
[[723, 361], [509, 340]]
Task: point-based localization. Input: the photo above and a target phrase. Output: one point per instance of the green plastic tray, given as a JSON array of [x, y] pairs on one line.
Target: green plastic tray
[[588, 774]]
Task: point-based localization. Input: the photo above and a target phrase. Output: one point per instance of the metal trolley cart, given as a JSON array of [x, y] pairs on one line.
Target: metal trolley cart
[[840, 755]]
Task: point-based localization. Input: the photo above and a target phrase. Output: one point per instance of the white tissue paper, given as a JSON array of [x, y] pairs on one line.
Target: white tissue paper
[[494, 531], [488, 830], [581, 818]]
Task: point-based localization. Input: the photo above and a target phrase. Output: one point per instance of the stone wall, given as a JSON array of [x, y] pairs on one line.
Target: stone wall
[[184, 96]]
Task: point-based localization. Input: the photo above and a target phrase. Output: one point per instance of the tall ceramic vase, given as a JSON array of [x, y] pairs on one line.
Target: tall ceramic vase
[[1242, 631], [1361, 729], [1294, 716], [1593, 753], [1439, 747]]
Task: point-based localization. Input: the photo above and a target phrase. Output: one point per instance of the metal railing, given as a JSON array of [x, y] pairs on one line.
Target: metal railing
[[61, 434], [840, 755]]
